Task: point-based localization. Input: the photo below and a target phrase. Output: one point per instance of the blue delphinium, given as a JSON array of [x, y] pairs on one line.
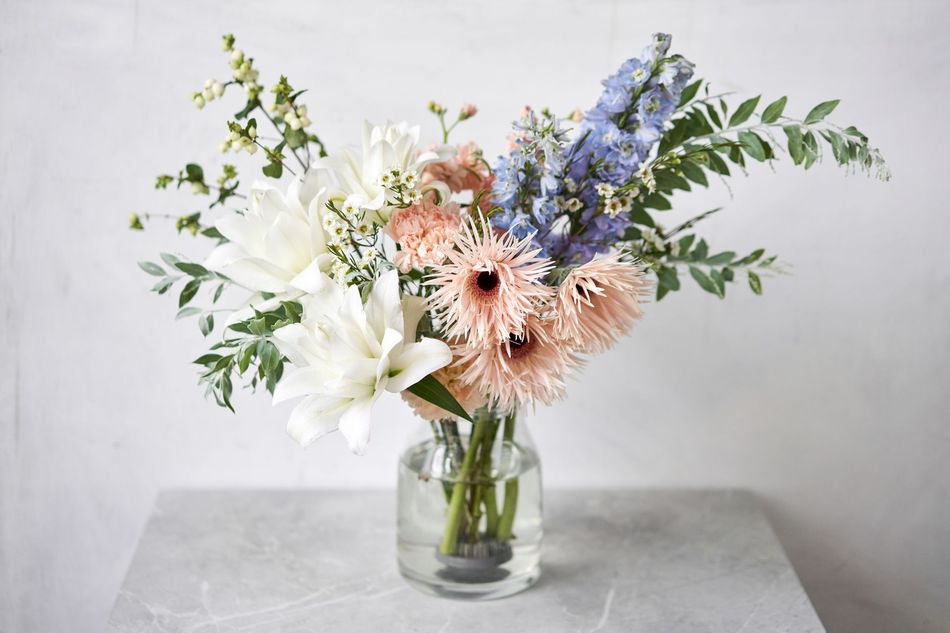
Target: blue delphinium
[[529, 179], [545, 178]]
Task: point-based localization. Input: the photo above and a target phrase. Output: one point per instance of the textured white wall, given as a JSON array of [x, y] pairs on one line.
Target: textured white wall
[[827, 396]]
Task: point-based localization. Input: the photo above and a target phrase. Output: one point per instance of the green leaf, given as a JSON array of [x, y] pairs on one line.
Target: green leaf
[[717, 164], [248, 108], [152, 269], [657, 201], [212, 232], [755, 283], [163, 286], [743, 112], [719, 280], [713, 115], [169, 259], [295, 138], [751, 257], [685, 243], [273, 170], [207, 359], [206, 323], [694, 172], [195, 172], [217, 293], [774, 110], [188, 292], [704, 281], [187, 312], [701, 251], [795, 146], [431, 390], [192, 269], [269, 355], [668, 278], [689, 92], [753, 145], [724, 257], [820, 111]]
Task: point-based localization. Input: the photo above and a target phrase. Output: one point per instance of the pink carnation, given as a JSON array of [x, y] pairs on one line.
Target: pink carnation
[[466, 171], [425, 233]]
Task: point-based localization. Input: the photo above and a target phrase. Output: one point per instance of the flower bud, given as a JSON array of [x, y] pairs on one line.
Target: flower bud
[[217, 88], [198, 100], [468, 111]]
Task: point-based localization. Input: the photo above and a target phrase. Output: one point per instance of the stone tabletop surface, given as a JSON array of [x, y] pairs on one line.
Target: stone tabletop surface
[[325, 562]]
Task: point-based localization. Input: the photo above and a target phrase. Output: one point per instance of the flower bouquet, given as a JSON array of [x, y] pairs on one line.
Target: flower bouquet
[[472, 288]]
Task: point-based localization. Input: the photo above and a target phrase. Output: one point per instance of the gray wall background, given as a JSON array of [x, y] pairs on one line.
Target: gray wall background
[[828, 396]]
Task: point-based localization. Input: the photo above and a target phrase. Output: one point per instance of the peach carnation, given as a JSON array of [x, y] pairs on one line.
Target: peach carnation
[[489, 285], [467, 395], [424, 232], [598, 302], [466, 171], [524, 369]]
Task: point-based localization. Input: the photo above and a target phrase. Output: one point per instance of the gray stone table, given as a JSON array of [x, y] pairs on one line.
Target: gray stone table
[[308, 561]]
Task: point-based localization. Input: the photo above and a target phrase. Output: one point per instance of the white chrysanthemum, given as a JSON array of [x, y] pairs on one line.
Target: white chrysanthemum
[[279, 244], [346, 354], [360, 175]]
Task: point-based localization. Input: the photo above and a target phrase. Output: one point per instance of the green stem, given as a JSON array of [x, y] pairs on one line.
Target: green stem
[[457, 504], [507, 519]]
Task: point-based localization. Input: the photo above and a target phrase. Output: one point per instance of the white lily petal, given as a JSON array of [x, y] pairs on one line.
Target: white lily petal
[[314, 417], [416, 361], [301, 381], [354, 424]]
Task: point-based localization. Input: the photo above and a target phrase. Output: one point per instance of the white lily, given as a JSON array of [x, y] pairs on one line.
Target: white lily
[[385, 147], [277, 245], [346, 354]]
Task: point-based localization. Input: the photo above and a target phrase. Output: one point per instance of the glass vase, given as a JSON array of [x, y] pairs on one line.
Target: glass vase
[[469, 508]]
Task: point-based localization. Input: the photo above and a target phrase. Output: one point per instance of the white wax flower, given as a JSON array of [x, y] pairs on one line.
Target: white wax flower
[[344, 355]]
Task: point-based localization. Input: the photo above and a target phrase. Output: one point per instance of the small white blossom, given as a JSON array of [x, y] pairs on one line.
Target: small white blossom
[[645, 174], [613, 207], [573, 205], [217, 88], [198, 99], [409, 179], [570, 185], [351, 206], [364, 229], [605, 190]]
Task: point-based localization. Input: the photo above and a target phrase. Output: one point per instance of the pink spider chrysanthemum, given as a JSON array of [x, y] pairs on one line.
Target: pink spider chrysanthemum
[[599, 301], [488, 286], [522, 370]]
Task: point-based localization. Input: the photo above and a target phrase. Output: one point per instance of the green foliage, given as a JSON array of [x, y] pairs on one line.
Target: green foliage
[[246, 344], [431, 390]]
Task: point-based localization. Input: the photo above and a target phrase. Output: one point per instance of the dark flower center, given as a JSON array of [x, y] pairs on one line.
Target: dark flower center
[[519, 346], [487, 280]]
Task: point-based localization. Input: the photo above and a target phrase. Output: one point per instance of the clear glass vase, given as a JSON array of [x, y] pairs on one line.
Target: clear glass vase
[[469, 509]]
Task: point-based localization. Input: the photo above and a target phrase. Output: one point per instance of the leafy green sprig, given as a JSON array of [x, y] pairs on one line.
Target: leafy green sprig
[[251, 347]]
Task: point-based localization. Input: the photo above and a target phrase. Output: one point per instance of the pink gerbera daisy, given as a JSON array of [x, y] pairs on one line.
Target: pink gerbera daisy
[[488, 286], [530, 368], [599, 301]]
